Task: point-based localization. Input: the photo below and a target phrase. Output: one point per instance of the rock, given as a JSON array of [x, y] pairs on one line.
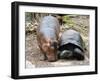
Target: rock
[[29, 65]]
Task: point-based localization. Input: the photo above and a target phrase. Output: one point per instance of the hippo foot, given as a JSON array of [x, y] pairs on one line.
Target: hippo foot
[[52, 59], [43, 58]]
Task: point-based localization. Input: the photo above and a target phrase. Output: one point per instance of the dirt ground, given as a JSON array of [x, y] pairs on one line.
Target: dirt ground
[[33, 53]]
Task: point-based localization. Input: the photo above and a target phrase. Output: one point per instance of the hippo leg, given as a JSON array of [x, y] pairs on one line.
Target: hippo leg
[[44, 55], [78, 54]]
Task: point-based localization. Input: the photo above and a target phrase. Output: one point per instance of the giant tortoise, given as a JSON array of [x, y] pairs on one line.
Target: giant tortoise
[[71, 45]]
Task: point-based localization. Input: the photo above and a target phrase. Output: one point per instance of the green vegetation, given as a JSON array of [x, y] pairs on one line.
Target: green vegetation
[[68, 21]]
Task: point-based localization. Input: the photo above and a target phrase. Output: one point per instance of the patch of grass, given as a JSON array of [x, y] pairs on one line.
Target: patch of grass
[[67, 20]]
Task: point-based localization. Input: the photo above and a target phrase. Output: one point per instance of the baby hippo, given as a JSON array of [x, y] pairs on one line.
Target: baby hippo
[[47, 37], [71, 45]]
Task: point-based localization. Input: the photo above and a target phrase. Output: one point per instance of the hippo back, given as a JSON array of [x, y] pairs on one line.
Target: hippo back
[[50, 26]]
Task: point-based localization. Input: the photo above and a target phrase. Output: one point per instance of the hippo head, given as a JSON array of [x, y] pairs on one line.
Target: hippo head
[[51, 50]]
